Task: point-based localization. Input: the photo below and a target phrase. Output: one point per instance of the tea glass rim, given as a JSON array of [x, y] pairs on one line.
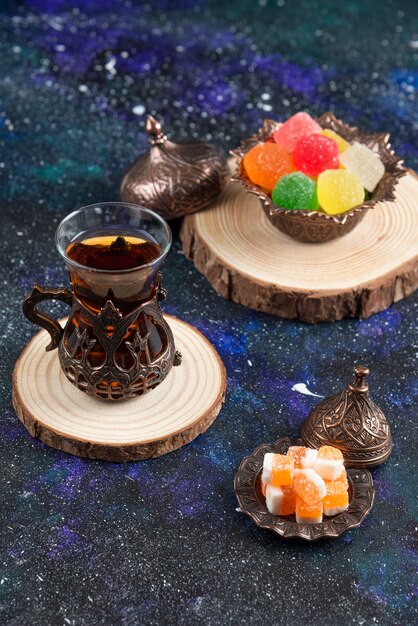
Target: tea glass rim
[[153, 214]]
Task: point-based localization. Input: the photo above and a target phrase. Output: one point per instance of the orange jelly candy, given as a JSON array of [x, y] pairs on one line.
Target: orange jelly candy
[[277, 470], [329, 463], [304, 457], [309, 486], [342, 478], [336, 499], [280, 500], [308, 513], [282, 471], [298, 454], [330, 452], [289, 500], [265, 163]]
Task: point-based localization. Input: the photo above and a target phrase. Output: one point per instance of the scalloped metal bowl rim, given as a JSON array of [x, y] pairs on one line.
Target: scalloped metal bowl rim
[[259, 136], [302, 213], [297, 534]]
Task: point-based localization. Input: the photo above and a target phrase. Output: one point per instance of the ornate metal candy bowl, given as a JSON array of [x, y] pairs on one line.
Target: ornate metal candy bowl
[[316, 226]]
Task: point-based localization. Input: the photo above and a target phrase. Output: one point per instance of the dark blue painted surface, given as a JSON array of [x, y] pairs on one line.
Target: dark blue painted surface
[[161, 542]]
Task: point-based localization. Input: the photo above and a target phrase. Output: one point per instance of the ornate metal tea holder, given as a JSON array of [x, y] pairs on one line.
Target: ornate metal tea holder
[[175, 179], [352, 422], [109, 326], [115, 344]]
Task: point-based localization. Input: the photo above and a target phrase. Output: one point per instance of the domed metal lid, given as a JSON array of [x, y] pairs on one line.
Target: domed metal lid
[[175, 179], [352, 422]]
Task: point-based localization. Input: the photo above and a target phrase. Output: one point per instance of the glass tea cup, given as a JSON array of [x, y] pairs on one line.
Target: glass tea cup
[[116, 343]]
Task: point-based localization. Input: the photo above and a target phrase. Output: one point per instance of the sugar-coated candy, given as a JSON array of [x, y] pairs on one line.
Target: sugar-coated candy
[[294, 128], [267, 468], [265, 163], [309, 486], [280, 500], [341, 143], [308, 482], [277, 470], [339, 191], [342, 478], [308, 513], [295, 191], [361, 160], [304, 458], [336, 499], [315, 153], [329, 463]]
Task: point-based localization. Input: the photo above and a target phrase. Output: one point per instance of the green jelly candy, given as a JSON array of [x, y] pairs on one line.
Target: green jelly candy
[[295, 191]]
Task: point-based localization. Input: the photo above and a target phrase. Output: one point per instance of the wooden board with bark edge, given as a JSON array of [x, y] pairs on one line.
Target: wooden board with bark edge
[[249, 261], [182, 407]]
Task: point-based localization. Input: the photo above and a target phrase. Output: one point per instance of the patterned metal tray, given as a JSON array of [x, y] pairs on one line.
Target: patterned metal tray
[[247, 487]]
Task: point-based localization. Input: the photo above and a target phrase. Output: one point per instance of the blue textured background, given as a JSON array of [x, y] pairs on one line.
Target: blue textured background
[[161, 542]]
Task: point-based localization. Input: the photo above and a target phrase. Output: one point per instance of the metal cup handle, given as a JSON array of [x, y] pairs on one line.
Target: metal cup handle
[[30, 310]]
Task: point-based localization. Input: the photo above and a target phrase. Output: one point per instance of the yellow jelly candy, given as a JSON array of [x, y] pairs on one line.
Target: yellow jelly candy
[[339, 191], [341, 143]]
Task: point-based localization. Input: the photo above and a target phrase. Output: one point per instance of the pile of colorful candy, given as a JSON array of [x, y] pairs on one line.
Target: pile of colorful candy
[[307, 167], [306, 482]]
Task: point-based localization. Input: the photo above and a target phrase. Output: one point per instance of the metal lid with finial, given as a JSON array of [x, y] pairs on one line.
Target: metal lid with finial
[[175, 179], [352, 422]]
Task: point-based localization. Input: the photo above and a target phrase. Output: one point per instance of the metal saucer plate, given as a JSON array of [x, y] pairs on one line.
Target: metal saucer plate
[[247, 485]]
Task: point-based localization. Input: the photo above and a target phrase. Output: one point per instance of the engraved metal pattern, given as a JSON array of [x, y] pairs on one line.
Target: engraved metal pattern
[[108, 380], [30, 310], [352, 422], [247, 487], [315, 226], [175, 179]]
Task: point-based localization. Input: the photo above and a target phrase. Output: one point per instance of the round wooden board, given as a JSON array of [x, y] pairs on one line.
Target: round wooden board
[[182, 407], [250, 262]]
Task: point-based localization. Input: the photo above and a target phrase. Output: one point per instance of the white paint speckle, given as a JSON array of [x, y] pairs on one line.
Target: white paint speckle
[[111, 66], [302, 388], [139, 109]]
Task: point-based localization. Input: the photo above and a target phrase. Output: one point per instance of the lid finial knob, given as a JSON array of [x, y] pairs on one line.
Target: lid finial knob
[[361, 371], [154, 128]]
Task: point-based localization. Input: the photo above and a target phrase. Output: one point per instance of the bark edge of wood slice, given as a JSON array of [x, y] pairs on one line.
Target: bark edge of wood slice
[[247, 260], [182, 407]]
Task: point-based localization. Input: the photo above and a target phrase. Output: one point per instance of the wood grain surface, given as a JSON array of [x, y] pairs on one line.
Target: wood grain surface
[[183, 406], [250, 262]]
